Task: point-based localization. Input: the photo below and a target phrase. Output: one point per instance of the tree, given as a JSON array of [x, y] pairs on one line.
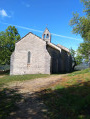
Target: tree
[[76, 58], [81, 25], [7, 43], [73, 58], [87, 6]]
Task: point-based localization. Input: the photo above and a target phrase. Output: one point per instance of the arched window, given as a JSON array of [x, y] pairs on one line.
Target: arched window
[[47, 35], [29, 55]]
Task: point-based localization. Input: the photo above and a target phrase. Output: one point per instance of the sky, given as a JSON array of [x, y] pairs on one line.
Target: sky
[[35, 15]]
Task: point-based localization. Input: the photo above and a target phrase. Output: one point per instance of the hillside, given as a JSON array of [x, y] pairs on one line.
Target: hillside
[[64, 96], [70, 99]]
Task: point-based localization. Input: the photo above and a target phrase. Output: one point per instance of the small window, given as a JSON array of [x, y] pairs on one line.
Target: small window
[[47, 35], [29, 55]]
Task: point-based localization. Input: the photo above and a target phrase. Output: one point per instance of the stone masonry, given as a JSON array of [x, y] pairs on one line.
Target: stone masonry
[[45, 57]]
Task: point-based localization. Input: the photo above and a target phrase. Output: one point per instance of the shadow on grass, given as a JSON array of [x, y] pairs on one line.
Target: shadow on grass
[[14, 105], [63, 103], [8, 100], [68, 103]]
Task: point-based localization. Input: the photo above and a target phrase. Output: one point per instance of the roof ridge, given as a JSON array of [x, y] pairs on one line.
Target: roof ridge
[[63, 47], [28, 34]]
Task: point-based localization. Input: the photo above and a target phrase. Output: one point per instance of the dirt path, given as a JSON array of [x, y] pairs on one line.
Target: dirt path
[[32, 106], [34, 85], [2, 76]]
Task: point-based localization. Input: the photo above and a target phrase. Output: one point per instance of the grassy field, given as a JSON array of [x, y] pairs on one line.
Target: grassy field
[[4, 79], [70, 99], [10, 97]]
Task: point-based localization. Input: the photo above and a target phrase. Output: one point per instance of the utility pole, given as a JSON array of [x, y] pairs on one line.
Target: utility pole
[[89, 58]]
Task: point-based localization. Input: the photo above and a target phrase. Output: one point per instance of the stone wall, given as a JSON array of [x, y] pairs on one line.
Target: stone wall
[[60, 61], [66, 61], [39, 59], [55, 60]]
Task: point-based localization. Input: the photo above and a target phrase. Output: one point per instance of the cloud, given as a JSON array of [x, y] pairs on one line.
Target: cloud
[[42, 31], [3, 13]]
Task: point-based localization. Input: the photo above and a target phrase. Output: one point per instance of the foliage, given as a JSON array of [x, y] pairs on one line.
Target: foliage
[[69, 99], [81, 25], [76, 58], [72, 53], [87, 6], [7, 43]]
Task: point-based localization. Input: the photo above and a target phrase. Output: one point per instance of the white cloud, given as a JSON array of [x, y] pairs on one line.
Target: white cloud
[[3, 13]]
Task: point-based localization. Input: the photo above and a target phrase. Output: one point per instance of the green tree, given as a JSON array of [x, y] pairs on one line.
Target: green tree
[[76, 58], [73, 58], [7, 43], [81, 25]]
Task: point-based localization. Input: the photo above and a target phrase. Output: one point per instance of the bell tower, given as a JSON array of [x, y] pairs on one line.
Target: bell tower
[[46, 35]]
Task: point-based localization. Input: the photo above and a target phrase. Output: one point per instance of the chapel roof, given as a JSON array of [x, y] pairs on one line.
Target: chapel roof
[[57, 47]]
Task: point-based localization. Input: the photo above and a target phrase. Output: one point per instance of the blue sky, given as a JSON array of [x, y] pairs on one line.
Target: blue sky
[[37, 14]]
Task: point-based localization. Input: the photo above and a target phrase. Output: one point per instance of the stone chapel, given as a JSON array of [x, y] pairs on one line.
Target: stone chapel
[[35, 55]]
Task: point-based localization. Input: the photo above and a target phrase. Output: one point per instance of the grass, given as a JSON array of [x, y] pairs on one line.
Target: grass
[[80, 72], [9, 98], [7, 78], [70, 99]]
